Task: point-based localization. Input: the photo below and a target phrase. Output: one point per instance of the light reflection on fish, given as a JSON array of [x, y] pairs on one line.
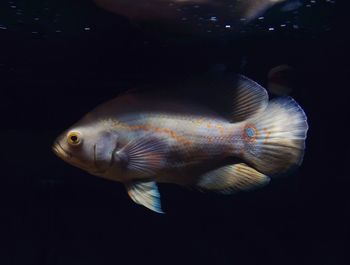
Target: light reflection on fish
[[141, 140], [192, 15]]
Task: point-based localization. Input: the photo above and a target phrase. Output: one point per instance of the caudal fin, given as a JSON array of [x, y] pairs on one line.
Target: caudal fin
[[274, 140]]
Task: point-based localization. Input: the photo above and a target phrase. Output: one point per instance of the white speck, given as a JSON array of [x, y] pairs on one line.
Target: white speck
[[196, 6], [13, 6], [283, 25], [242, 19], [271, 29], [213, 19], [184, 18], [308, 5], [313, 1], [35, 32], [228, 26], [261, 18], [295, 26], [3, 27], [58, 31], [87, 28], [36, 18]]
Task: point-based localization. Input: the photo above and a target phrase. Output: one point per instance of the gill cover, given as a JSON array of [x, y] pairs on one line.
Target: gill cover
[[103, 150]]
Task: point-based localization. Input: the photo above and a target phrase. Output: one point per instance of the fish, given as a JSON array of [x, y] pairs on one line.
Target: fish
[[189, 15], [291, 6], [141, 140], [281, 80]]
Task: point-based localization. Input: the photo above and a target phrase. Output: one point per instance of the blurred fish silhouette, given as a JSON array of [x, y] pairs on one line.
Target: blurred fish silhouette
[[140, 140], [189, 14], [281, 80], [291, 6]]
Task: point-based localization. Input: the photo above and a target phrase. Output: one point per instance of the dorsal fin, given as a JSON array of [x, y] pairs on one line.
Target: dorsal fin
[[249, 98]]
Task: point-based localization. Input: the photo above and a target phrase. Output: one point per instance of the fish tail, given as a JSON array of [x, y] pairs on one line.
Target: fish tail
[[273, 141]]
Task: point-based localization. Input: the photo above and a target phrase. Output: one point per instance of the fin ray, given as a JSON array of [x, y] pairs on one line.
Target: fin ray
[[146, 194], [232, 178], [144, 155], [249, 99], [274, 141]]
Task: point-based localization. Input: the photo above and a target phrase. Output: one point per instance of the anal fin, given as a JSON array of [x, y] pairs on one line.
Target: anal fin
[[232, 178]]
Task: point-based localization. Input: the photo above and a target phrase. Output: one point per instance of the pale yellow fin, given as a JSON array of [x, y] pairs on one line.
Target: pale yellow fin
[[274, 141], [232, 178], [146, 194]]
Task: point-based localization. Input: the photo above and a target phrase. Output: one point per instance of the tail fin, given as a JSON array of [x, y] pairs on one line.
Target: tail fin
[[274, 140]]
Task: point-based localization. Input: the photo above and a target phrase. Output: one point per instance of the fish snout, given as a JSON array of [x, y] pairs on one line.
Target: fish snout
[[60, 152]]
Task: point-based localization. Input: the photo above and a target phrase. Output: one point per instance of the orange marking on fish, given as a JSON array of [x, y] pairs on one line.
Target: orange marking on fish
[[267, 133], [209, 125], [220, 128], [199, 122], [168, 131]]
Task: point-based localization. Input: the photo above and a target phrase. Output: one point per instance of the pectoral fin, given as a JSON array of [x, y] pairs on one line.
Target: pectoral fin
[[143, 155], [232, 178], [146, 194]]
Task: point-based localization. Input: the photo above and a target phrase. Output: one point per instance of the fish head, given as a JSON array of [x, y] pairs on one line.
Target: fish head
[[89, 148]]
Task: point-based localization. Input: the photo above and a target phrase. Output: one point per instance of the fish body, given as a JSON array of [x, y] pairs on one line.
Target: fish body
[[182, 137], [141, 140], [281, 80]]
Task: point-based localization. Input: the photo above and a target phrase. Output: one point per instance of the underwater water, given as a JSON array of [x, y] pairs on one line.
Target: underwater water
[[59, 59]]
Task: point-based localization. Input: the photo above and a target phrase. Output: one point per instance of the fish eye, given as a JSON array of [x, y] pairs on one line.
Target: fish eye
[[74, 138]]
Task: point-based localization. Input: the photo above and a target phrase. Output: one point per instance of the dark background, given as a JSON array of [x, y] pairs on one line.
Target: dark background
[[53, 213]]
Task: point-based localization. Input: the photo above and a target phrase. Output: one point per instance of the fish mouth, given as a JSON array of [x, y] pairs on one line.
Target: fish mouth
[[68, 157], [60, 152]]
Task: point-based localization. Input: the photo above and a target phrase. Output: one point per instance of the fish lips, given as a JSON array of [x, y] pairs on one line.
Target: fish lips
[[67, 156], [60, 152]]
